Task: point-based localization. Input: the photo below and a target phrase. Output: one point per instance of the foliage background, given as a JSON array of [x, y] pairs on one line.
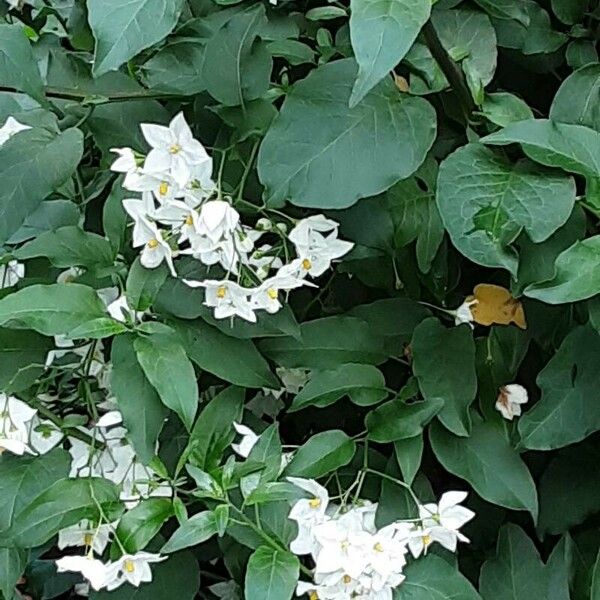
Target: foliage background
[[480, 166]]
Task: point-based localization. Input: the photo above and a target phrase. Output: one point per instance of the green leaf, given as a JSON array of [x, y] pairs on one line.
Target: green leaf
[[18, 66], [48, 216], [122, 30], [468, 36], [322, 453], [382, 32], [572, 148], [564, 415], [51, 309], [319, 161], [197, 529], [576, 275], [169, 370], [69, 246], [268, 452], [33, 164], [396, 420], [537, 261], [143, 412], [143, 285], [237, 67], [502, 108], [296, 53], [580, 53], [63, 504], [25, 477], [595, 587], [167, 582], [444, 364], [325, 344], [21, 350], [570, 11], [576, 100], [505, 9], [568, 495], [516, 572], [97, 329], [213, 431], [327, 387], [432, 578], [13, 562], [176, 68], [484, 202], [271, 575], [234, 360], [139, 525], [532, 38], [409, 453], [489, 463]]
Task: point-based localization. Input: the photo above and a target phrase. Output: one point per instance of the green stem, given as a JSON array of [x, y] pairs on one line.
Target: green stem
[[77, 96], [263, 535], [396, 481], [70, 431], [451, 70], [247, 169]]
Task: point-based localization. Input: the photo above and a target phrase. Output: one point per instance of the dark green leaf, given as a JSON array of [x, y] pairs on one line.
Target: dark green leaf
[[139, 525], [321, 454], [271, 575], [194, 531], [319, 161]]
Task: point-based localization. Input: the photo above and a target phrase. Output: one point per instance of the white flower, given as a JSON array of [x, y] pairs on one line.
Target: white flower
[[179, 215], [11, 126], [133, 569], [463, 313], [309, 232], [126, 161], [510, 398], [174, 149], [266, 296], [11, 273], [155, 249], [249, 439], [110, 419], [120, 310], [85, 533], [95, 571], [343, 546], [386, 552], [444, 520], [14, 418], [163, 187], [201, 185], [70, 275], [308, 513], [218, 220], [44, 435], [227, 298]]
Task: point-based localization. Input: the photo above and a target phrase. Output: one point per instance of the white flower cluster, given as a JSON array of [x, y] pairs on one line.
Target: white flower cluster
[[178, 214], [113, 459], [129, 568], [22, 431], [354, 559]]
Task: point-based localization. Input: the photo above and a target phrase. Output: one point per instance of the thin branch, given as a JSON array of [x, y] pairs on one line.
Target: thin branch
[[451, 70]]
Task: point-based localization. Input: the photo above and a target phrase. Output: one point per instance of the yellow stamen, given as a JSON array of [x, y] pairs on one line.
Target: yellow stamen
[[378, 547], [272, 293], [346, 579], [163, 188], [189, 220], [153, 243], [174, 148], [306, 264], [129, 566], [345, 545], [313, 596], [427, 540], [314, 502], [88, 538], [221, 291]]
